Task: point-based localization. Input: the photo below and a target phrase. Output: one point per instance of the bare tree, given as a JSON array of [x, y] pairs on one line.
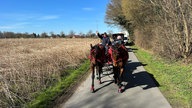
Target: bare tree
[[71, 33], [176, 19], [115, 17], [161, 25]]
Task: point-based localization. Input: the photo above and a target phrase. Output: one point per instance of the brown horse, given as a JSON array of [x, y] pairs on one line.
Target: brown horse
[[119, 55], [97, 57]]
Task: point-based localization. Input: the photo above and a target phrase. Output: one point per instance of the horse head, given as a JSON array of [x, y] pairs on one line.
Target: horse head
[[116, 56], [119, 54], [96, 54]]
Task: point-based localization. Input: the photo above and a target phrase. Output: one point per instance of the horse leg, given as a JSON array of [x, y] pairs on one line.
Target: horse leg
[[115, 71], [100, 71], [121, 75], [93, 76], [97, 70], [120, 79], [97, 73]]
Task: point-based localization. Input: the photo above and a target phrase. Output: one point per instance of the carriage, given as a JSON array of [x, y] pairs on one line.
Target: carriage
[[115, 59]]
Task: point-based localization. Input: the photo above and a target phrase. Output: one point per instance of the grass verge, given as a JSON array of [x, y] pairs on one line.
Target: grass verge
[[46, 98], [175, 78]]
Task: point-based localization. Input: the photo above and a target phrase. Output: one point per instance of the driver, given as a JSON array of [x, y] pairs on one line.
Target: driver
[[105, 40]]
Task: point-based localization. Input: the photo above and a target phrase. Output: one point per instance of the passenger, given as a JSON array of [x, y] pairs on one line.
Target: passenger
[[119, 40]]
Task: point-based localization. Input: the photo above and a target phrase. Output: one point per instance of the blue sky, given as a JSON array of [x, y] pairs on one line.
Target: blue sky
[[53, 16]]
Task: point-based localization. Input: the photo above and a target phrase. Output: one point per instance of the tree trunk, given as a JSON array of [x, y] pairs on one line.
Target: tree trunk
[[186, 34]]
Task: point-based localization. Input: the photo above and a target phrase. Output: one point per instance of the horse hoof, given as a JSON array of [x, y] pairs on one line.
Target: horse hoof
[[92, 90], [115, 81], [100, 82], [120, 90]]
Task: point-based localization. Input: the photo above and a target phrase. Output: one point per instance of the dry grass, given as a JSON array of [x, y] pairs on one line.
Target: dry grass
[[30, 65]]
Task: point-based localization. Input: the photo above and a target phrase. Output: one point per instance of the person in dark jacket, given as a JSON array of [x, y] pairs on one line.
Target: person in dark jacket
[[105, 40]]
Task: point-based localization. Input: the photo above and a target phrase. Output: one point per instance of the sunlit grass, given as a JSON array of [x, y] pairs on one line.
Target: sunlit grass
[[46, 98]]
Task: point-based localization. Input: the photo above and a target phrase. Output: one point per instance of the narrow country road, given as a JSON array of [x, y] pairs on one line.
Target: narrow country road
[[141, 90]]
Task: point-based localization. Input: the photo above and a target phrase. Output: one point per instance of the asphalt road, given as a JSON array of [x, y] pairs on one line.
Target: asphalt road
[[140, 90]]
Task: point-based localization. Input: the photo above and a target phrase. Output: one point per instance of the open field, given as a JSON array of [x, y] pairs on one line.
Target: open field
[[31, 65]]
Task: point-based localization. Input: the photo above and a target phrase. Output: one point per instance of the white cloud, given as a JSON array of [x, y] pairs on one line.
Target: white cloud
[[6, 27], [17, 16], [80, 19], [48, 17], [14, 26], [29, 16], [88, 9]]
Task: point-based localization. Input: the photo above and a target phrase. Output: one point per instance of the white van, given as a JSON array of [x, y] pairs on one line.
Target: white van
[[125, 40]]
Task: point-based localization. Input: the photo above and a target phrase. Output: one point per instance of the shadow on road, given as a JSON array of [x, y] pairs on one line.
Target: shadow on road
[[131, 49], [141, 78], [106, 73], [133, 77], [109, 83]]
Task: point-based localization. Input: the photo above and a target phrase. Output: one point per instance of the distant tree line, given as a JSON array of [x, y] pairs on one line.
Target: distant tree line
[[71, 34], [162, 26]]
